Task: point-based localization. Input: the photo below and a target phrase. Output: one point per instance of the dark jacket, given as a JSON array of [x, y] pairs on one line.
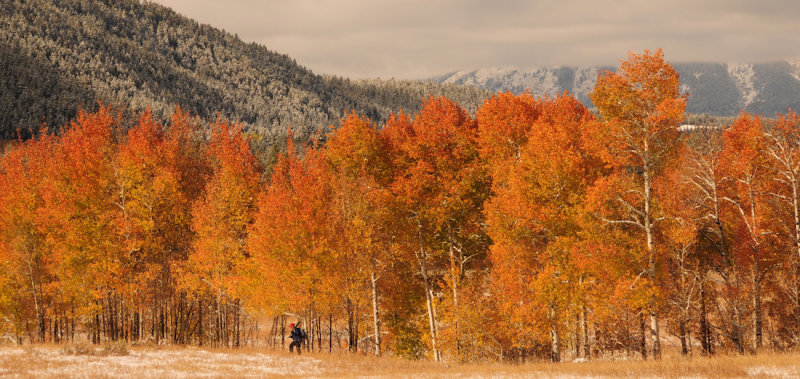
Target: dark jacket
[[297, 334]]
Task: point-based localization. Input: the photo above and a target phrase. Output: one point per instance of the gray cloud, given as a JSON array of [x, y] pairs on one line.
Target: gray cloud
[[423, 38]]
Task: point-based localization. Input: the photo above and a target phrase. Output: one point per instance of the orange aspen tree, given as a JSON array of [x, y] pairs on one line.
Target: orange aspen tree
[[641, 108], [11, 294], [406, 328], [679, 240], [504, 121], [442, 183], [534, 221], [155, 214], [746, 161], [705, 183], [503, 125], [783, 152], [80, 214], [221, 218], [361, 168], [24, 255], [185, 153], [291, 241]]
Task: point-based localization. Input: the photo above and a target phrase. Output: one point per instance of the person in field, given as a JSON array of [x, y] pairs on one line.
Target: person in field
[[297, 335]]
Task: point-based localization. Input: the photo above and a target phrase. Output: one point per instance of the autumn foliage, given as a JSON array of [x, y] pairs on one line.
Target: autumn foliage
[[535, 229]]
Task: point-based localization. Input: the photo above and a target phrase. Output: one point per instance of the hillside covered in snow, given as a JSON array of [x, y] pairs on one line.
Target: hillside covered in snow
[[720, 89]]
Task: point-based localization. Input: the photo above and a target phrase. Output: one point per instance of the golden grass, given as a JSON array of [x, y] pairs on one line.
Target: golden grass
[[169, 361], [768, 365]]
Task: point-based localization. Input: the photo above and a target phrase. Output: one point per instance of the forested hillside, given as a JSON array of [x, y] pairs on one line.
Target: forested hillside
[[717, 89], [57, 56]]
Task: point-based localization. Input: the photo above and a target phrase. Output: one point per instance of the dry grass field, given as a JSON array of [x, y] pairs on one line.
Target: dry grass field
[[47, 361]]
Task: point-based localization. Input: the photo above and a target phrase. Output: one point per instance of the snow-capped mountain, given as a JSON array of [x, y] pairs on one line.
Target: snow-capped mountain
[[721, 89]]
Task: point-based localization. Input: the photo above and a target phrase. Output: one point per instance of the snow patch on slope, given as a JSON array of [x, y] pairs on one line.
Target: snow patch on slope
[[744, 78], [795, 69], [585, 80], [541, 81]]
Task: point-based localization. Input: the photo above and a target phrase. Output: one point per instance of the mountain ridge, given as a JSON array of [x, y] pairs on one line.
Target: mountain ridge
[[718, 89]]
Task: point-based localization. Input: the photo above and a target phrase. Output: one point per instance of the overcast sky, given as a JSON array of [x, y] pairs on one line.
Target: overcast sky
[[414, 39]]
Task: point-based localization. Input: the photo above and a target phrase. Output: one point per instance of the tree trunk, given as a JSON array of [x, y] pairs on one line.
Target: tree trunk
[[351, 338], [454, 278], [273, 332], [429, 304], [310, 341], [237, 324], [355, 331], [796, 210], [200, 321], [555, 352], [757, 315], [627, 342], [704, 335], [796, 206], [643, 336], [428, 292], [376, 322], [39, 308], [135, 326], [283, 331], [587, 350], [757, 322], [97, 326], [684, 348], [738, 335], [577, 334], [651, 250], [72, 324]]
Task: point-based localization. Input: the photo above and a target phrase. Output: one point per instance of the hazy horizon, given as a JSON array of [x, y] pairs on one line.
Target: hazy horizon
[[416, 39]]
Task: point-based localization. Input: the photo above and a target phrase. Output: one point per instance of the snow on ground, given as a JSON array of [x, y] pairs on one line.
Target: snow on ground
[[189, 362], [774, 372], [182, 363]]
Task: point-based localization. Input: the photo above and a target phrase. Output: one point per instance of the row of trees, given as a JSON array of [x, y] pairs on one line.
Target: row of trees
[[533, 229]]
